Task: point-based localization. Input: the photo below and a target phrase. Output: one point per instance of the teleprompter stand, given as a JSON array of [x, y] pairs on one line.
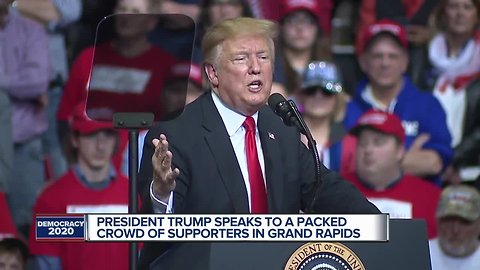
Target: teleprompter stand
[[133, 122]]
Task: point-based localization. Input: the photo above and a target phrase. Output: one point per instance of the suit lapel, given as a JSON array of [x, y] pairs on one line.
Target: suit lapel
[[273, 163], [224, 156]]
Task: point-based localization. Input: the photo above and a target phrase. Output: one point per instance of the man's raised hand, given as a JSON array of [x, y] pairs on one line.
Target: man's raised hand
[[163, 174]]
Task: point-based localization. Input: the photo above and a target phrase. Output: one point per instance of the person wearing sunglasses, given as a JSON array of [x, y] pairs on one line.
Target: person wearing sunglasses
[[321, 100]]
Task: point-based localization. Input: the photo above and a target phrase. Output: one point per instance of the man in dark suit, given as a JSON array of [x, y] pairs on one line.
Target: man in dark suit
[[206, 165]]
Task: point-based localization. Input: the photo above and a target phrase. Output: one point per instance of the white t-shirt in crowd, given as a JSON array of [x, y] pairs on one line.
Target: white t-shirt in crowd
[[441, 261]]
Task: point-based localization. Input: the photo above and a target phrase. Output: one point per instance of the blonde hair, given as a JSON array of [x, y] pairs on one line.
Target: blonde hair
[[233, 28]]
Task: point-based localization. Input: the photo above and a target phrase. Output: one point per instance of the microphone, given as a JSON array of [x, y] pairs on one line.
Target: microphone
[[287, 110], [290, 115]]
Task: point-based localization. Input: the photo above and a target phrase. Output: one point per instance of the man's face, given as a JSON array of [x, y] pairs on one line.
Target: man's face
[[461, 17], [177, 94], [10, 261], [95, 150], [457, 236], [226, 10], [384, 63], [174, 93], [318, 104], [377, 154], [242, 73], [299, 30], [131, 25]]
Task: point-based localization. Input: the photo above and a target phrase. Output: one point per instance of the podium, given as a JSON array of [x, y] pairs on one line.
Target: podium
[[406, 249]]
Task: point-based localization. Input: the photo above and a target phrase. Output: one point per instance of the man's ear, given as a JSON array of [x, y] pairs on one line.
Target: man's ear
[[211, 75], [401, 151], [74, 140]]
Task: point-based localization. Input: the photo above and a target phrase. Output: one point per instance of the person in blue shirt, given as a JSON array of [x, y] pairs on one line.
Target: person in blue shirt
[[384, 59]]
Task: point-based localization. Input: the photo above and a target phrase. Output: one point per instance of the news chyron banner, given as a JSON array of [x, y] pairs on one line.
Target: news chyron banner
[[174, 227]]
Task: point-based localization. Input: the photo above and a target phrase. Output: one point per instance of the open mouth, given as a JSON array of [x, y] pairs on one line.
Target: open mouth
[[255, 85]]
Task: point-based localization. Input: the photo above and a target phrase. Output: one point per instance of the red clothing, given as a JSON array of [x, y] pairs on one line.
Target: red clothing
[[265, 9], [7, 228], [325, 20], [141, 91], [69, 195], [347, 157], [410, 192], [144, 73]]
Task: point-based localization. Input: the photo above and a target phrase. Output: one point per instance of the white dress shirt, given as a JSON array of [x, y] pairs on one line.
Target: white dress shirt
[[233, 122]]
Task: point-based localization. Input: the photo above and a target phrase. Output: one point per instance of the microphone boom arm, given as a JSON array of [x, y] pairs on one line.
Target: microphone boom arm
[[312, 145]]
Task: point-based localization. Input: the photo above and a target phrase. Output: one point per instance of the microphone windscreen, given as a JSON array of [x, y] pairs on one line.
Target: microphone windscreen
[[274, 100]]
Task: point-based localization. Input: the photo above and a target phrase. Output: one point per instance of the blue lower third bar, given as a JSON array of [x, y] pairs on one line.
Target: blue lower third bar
[[60, 228]]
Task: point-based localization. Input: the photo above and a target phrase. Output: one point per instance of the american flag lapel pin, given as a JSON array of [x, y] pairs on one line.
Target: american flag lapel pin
[[271, 136]]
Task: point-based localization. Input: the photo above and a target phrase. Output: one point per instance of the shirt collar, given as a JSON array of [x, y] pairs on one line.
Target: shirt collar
[[389, 186], [369, 97], [232, 120], [94, 185]]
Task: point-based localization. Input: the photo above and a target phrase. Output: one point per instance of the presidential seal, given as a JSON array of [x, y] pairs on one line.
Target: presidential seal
[[324, 256]]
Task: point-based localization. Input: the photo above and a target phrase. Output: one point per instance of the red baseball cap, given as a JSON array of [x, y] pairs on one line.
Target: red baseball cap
[[188, 70], [289, 6], [381, 121], [384, 26], [81, 123]]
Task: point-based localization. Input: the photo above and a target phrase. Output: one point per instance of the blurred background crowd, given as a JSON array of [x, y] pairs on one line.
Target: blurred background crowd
[[390, 90]]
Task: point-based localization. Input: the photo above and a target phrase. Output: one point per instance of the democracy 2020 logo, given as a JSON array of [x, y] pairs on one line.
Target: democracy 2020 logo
[[324, 256]]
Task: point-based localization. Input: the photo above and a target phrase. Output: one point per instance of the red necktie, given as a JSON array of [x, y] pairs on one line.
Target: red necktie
[[257, 185]]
